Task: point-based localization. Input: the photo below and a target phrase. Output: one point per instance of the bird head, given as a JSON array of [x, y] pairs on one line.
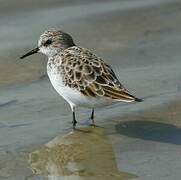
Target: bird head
[[51, 42]]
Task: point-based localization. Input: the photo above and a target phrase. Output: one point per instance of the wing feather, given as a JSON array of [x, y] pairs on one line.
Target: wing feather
[[91, 76]]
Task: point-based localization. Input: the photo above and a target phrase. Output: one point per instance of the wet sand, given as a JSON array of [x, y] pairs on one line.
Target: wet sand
[[141, 41], [83, 154]]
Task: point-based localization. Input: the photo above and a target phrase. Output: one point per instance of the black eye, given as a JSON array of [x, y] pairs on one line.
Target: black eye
[[48, 42]]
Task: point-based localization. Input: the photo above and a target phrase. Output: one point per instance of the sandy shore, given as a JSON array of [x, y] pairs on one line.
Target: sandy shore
[[142, 42]]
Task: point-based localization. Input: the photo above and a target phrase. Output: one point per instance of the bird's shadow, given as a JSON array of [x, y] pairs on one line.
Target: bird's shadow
[[150, 130]]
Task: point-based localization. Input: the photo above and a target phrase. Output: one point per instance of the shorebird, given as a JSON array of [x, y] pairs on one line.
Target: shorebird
[[78, 75]]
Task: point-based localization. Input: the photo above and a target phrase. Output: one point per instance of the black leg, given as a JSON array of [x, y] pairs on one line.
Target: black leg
[[74, 122], [92, 117]]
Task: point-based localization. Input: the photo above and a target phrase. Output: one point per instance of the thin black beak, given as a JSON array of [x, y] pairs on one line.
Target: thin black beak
[[30, 53]]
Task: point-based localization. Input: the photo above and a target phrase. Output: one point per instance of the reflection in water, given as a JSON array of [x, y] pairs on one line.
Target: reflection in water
[[151, 130], [84, 154]]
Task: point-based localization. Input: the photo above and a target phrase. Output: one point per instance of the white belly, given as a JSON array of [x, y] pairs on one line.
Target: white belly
[[73, 96]]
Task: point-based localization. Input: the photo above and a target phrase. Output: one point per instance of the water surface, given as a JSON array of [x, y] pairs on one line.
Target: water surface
[[142, 42]]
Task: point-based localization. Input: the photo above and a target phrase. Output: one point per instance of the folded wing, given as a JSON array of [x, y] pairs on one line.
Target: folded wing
[[91, 76]]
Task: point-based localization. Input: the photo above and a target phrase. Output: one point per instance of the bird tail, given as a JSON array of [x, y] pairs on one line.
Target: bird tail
[[119, 95], [138, 100]]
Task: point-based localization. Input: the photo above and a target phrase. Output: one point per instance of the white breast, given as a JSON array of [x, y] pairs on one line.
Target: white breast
[[72, 96]]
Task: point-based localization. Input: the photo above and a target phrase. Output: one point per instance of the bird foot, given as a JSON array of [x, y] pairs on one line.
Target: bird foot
[[93, 125]]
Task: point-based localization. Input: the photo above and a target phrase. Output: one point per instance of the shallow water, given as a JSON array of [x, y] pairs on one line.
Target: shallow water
[[140, 40]]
